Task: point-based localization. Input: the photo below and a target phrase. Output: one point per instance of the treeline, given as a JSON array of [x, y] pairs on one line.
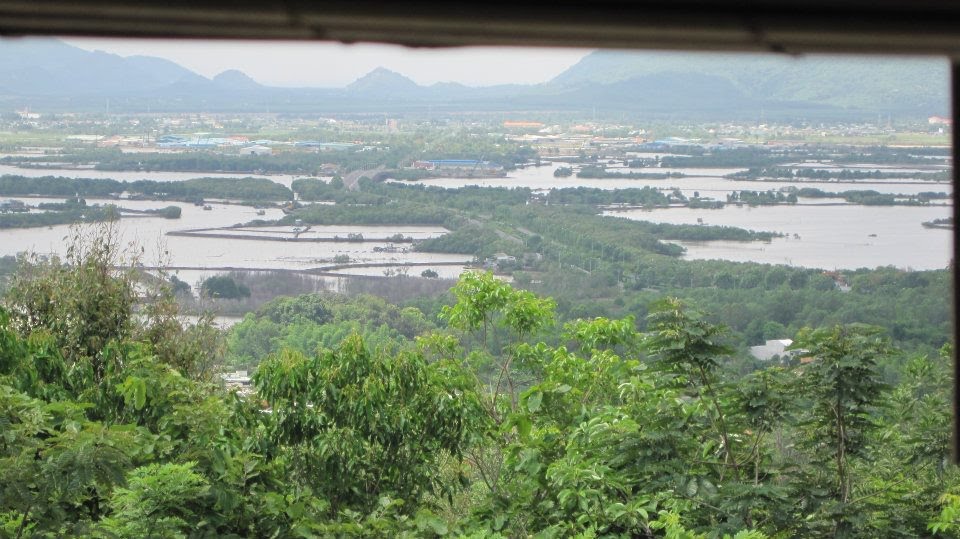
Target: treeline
[[761, 198], [500, 421], [593, 225], [412, 174], [896, 156], [169, 212], [295, 161], [728, 157], [307, 323], [644, 196], [766, 157], [65, 216], [471, 198], [864, 197], [757, 301], [8, 267], [583, 233], [843, 174], [59, 187], [389, 151], [399, 213], [946, 222], [469, 240], [247, 189], [592, 172], [244, 189], [874, 198]]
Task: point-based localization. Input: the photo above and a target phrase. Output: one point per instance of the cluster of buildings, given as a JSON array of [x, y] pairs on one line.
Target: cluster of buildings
[[205, 141], [239, 381]]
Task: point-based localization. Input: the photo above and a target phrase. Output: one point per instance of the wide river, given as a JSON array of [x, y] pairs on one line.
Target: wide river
[[828, 237], [831, 236], [835, 236], [212, 255], [708, 182], [131, 176]]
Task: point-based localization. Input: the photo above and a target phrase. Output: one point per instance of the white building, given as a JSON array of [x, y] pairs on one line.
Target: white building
[[773, 347], [256, 150]]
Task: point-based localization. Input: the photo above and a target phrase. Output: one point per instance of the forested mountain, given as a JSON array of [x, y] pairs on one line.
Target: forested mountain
[[48, 67], [845, 82], [49, 73]]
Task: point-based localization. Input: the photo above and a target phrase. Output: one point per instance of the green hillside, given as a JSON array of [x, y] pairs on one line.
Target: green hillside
[[880, 84]]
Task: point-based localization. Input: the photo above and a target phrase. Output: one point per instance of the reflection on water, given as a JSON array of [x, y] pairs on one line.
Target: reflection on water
[[442, 271], [838, 236], [830, 237], [708, 182], [200, 252], [130, 176]]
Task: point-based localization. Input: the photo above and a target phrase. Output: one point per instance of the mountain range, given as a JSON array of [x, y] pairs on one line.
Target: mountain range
[[50, 74]]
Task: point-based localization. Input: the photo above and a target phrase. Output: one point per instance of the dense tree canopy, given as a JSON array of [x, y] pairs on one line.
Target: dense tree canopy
[[496, 422]]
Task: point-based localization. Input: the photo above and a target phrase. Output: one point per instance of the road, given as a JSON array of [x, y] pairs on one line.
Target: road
[[352, 180]]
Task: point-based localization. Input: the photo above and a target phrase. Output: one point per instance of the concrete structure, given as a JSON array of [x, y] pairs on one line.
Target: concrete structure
[[256, 150], [239, 381], [773, 347], [513, 124]]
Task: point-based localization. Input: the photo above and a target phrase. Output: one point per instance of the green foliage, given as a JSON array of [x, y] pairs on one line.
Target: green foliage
[[948, 521], [247, 189], [469, 240], [362, 424], [159, 500], [496, 425], [59, 187], [644, 196], [86, 214], [252, 189], [600, 172], [223, 287], [844, 388], [179, 287], [406, 213], [80, 300], [170, 212], [310, 322]]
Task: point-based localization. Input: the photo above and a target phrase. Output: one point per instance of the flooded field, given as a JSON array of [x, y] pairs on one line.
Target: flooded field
[[220, 254], [829, 233], [829, 237], [708, 182]]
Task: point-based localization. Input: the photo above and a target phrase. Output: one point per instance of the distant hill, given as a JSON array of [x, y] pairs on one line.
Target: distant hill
[[40, 72], [843, 83], [235, 79], [48, 67], [384, 84]]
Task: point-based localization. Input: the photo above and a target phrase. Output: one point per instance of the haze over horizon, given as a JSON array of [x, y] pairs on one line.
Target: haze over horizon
[[236, 76], [334, 65]]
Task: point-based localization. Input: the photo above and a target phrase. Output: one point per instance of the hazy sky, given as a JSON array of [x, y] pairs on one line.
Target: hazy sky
[[334, 64]]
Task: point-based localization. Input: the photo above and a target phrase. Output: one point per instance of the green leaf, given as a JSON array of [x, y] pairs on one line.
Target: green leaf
[[523, 425], [534, 400]]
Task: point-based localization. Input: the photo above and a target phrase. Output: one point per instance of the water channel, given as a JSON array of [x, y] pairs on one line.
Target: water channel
[[829, 236]]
